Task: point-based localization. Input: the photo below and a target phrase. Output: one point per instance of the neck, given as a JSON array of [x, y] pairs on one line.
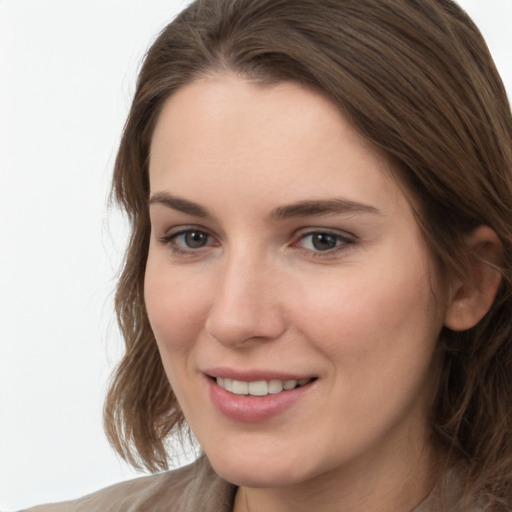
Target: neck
[[396, 483]]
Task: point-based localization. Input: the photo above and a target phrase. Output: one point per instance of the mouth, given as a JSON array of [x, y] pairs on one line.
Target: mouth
[[254, 396], [261, 387]]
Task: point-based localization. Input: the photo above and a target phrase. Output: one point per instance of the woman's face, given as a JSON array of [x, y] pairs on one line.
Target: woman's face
[[283, 255]]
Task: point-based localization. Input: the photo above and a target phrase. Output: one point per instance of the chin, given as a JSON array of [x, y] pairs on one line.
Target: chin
[[245, 475], [255, 471]]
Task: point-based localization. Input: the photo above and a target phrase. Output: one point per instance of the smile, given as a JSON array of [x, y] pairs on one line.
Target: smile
[[260, 387]]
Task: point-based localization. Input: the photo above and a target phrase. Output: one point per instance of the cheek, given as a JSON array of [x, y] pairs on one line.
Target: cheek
[[174, 305], [379, 336], [377, 322]]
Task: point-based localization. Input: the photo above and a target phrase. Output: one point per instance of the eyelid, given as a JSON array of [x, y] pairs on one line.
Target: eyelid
[[345, 235]]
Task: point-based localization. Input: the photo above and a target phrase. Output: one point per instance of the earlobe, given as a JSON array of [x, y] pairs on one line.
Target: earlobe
[[472, 298]]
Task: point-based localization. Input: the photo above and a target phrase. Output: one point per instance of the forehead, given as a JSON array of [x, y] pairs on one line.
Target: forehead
[[225, 130], [232, 102]]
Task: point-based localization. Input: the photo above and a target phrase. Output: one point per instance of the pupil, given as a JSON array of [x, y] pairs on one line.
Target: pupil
[[195, 239], [324, 242]]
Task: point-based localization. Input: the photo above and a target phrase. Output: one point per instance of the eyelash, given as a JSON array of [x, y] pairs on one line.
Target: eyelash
[[343, 242]]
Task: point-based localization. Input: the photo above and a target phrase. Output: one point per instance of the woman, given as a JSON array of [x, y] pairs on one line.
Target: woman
[[318, 277]]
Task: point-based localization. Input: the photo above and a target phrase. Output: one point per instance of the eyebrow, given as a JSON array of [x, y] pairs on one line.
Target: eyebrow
[[179, 204], [306, 208], [320, 207]]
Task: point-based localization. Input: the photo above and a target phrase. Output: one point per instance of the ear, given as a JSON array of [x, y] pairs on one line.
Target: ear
[[472, 298]]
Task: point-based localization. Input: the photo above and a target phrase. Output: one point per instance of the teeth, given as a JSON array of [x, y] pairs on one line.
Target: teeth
[[289, 384], [275, 386], [260, 387], [240, 387]]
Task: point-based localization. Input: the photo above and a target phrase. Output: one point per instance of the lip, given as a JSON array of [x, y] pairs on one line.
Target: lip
[[253, 375], [254, 409]]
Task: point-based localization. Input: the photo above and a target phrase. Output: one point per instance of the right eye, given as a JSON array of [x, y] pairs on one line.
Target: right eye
[[191, 239], [188, 240]]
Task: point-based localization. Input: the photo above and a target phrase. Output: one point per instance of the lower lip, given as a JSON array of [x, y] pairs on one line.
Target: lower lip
[[252, 409]]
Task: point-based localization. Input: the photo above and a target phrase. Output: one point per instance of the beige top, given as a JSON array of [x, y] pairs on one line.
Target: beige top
[[194, 488]]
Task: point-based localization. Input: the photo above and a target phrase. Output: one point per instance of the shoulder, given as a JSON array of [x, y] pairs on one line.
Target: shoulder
[[191, 488], [451, 495]]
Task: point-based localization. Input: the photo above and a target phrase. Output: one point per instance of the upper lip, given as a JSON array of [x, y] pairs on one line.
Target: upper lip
[[254, 374]]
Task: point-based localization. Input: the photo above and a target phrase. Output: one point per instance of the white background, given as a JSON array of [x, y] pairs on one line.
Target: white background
[[67, 74]]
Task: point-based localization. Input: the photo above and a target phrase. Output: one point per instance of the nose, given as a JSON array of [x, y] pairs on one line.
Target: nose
[[246, 307]]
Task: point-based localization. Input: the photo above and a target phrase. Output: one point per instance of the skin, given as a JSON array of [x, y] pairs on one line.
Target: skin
[[361, 317]]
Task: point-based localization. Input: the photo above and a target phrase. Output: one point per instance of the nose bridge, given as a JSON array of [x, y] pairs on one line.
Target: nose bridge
[[246, 305]]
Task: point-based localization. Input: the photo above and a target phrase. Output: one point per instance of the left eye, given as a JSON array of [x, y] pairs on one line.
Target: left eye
[[322, 241]]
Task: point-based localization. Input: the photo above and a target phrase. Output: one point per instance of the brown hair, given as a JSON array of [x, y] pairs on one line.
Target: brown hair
[[416, 78]]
